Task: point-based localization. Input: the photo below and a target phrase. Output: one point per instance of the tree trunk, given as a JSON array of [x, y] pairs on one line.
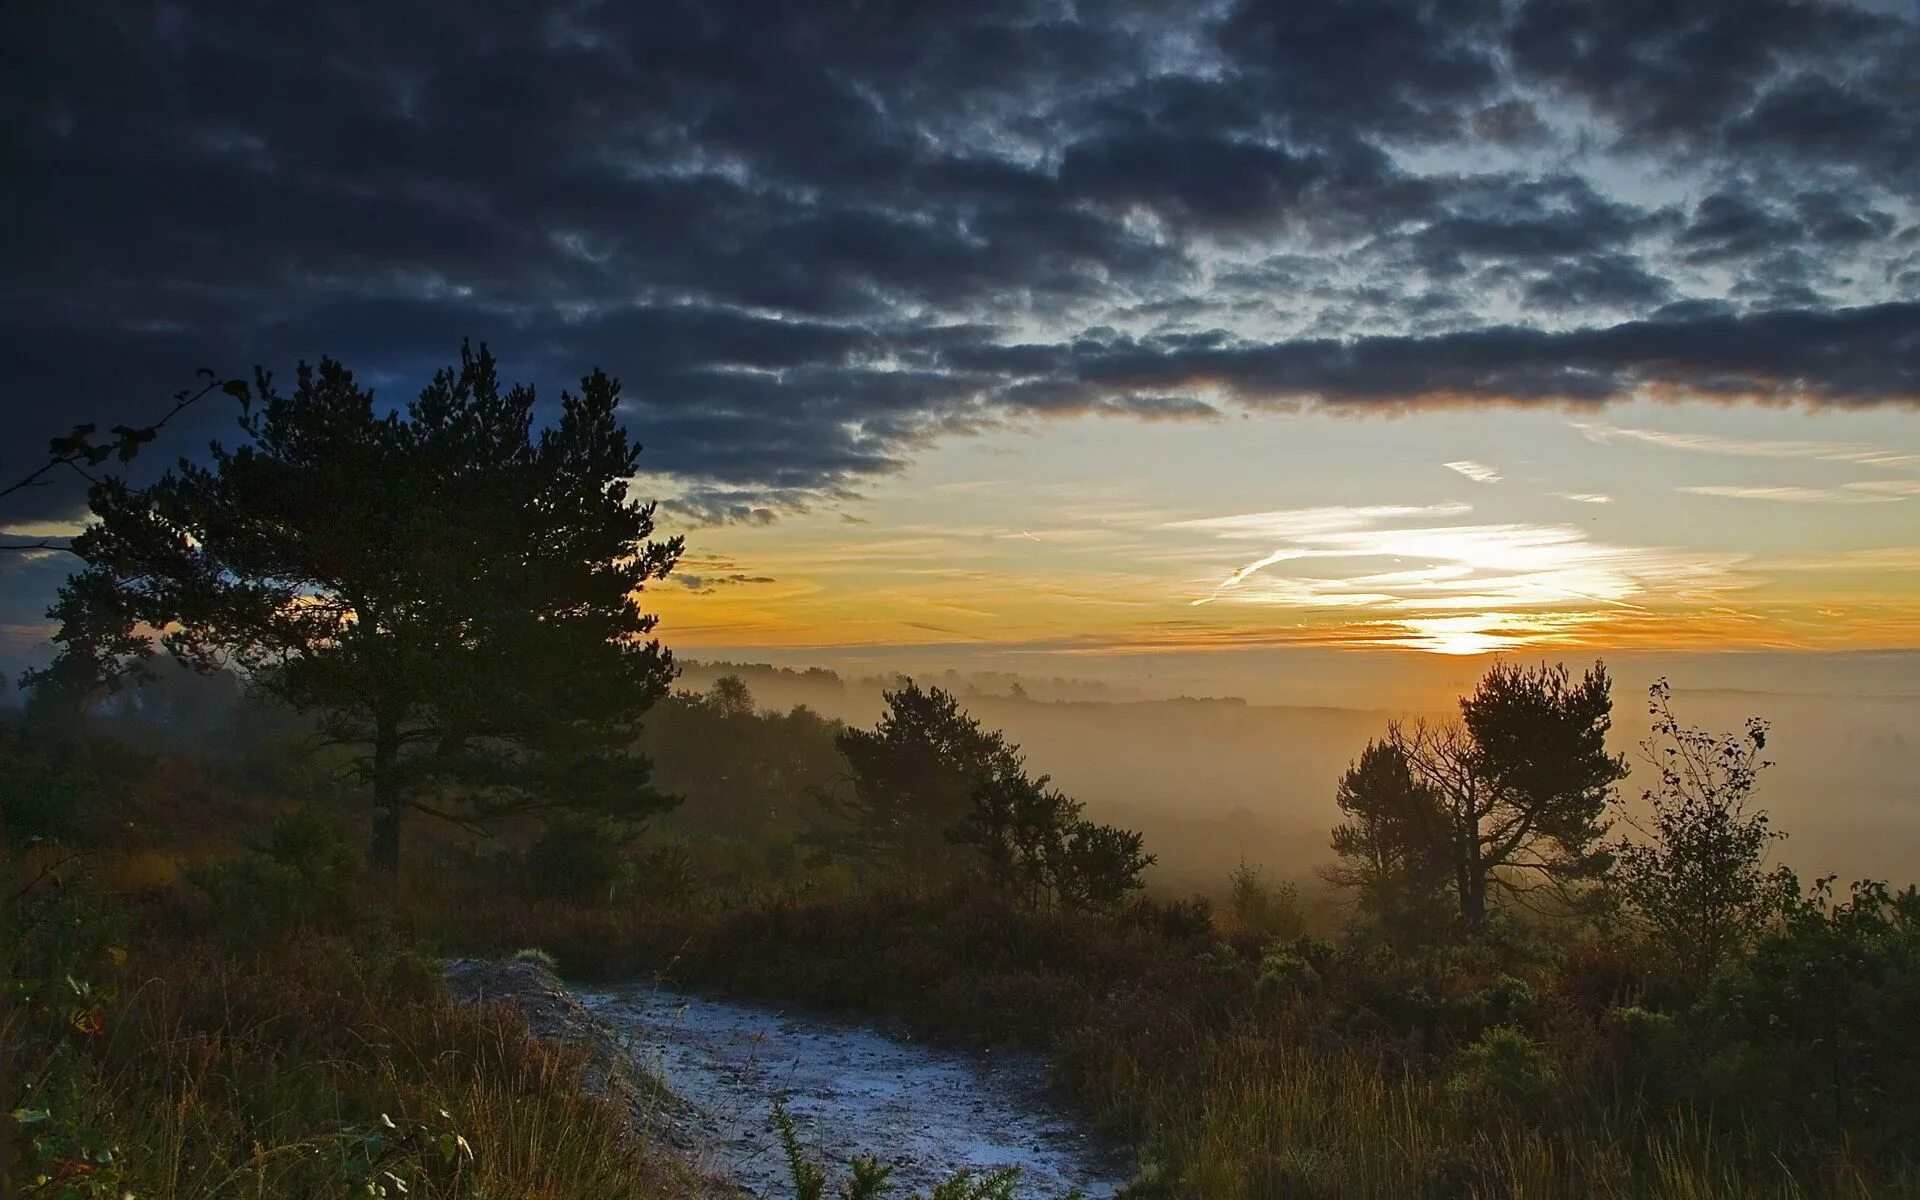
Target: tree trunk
[[1473, 901], [383, 850], [1473, 875]]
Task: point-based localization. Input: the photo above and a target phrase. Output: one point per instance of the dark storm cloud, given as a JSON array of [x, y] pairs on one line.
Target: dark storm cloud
[[1599, 281], [1511, 123], [1209, 183], [812, 238], [1763, 74], [1388, 67], [1835, 218], [1852, 356], [1514, 222], [1730, 226]]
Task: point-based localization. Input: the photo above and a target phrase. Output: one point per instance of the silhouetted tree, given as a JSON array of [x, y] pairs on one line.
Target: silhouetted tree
[[730, 698], [1017, 824], [1266, 908], [929, 780], [439, 586], [913, 776], [1539, 752], [1099, 865], [1393, 845], [1698, 876], [1519, 786], [1042, 851]]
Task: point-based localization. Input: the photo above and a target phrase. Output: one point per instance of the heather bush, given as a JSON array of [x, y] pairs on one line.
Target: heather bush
[[1505, 1065], [1284, 974]]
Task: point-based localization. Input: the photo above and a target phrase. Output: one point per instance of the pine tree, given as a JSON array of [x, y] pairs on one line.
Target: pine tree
[[438, 586], [1509, 799], [913, 777]]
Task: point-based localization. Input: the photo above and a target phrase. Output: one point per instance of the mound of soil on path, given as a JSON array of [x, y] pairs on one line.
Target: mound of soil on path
[[556, 1018]]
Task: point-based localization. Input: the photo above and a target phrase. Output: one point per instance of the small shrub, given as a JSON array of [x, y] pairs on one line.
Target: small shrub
[[1285, 974], [312, 846], [830, 879], [1508, 1002], [1222, 964], [42, 787], [537, 957], [414, 976], [1601, 973], [55, 1158], [868, 1178], [1503, 1064], [1646, 1047], [1099, 866], [1828, 1002], [666, 875]]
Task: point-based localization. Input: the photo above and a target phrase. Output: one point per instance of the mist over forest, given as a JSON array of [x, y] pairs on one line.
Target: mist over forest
[[1213, 778]]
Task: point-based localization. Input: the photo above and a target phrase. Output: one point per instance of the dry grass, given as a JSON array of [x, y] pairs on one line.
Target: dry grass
[[310, 1067]]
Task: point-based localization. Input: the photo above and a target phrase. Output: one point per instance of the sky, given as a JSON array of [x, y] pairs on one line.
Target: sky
[[1072, 331]]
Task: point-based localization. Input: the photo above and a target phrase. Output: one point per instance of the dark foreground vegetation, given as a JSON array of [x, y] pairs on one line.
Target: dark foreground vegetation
[[228, 888]]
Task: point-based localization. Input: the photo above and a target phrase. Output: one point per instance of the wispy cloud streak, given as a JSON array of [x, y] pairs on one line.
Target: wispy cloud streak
[[1478, 472], [1299, 522], [1705, 443], [1787, 493], [1450, 569]]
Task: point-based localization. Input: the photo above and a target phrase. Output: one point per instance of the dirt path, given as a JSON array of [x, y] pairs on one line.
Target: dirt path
[[851, 1091]]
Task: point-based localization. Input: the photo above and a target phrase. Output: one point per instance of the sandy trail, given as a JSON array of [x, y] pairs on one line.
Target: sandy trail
[[851, 1090]]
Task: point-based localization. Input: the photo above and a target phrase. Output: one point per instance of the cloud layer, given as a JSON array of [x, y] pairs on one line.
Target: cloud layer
[[812, 238]]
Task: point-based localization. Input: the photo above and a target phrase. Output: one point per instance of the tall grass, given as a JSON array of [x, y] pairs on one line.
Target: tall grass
[[1290, 1121], [177, 1068]]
